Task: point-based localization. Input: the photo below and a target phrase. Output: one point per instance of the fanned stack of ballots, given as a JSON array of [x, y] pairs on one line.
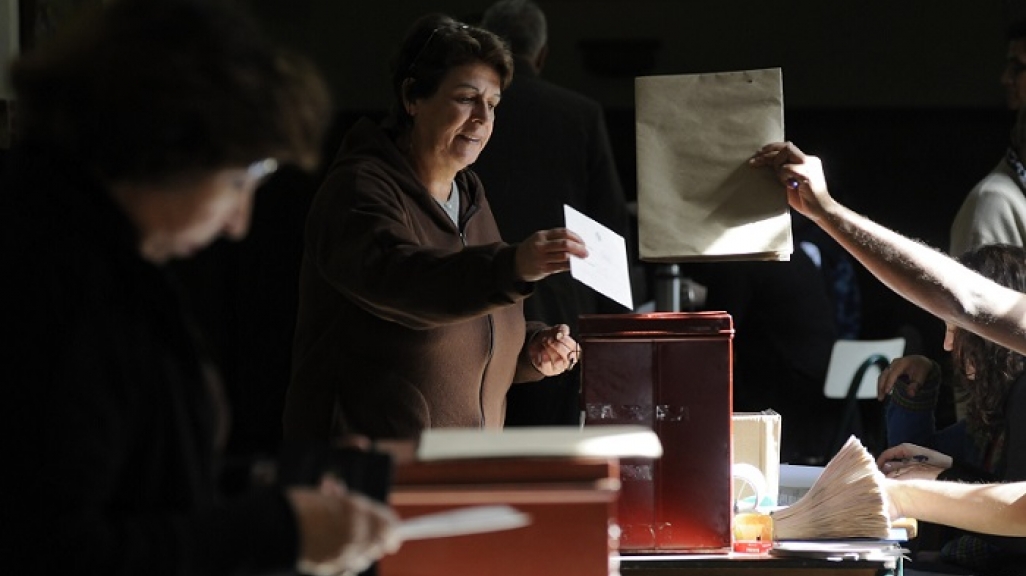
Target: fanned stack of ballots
[[847, 501], [698, 199]]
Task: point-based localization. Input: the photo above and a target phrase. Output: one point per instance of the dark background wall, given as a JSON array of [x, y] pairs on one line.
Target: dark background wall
[[844, 53], [900, 98]]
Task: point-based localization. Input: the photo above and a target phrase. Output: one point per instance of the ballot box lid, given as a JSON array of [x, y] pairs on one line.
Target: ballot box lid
[[656, 324]]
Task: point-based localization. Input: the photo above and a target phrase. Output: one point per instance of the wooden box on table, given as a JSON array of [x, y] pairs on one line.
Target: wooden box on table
[[671, 372], [571, 503]]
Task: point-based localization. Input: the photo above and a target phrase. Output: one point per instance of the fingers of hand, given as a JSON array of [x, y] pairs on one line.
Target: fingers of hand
[[556, 354], [905, 383], [884, 384], [331, 485], [915, 471], [372, 534], [791, 178], [541, 360], [548, 253], [570, 354], [573, 349], [779, 154], [890, 458], [561, 249], [539, 350], [768, 153], [896, 472]]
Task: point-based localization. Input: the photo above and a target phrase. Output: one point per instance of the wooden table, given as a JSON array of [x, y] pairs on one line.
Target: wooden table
[[752, 565]]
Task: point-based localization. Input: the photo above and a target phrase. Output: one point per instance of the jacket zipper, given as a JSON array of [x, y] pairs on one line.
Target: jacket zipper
[[488, 361], [460, 227], [491, 341]]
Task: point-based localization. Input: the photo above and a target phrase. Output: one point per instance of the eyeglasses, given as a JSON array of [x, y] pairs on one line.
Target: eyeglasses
[[416, 59], [262, 168]]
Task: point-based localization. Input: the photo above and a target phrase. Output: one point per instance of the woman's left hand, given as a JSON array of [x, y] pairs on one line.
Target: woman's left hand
[[916, 471], [553, 351], [909, 461]]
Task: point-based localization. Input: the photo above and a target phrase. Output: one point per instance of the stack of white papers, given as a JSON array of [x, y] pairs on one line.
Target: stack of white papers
[[840, 550]]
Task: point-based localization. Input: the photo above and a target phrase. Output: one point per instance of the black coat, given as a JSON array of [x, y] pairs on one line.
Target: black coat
[[110, 416]]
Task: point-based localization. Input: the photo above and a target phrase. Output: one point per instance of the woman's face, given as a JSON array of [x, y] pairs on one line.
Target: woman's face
[[950, 333], [451, 127], [1013, 77], [949, 336], [175, 221]]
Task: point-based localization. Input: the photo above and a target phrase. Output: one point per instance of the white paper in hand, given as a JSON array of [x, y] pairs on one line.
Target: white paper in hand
[[473, 520], [605, 269]]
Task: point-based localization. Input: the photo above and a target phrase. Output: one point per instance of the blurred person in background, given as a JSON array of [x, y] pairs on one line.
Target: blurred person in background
[[143, 133]]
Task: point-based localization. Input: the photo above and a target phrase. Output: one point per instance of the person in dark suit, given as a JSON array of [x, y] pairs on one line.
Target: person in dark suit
[[550, 147], [784, 331]]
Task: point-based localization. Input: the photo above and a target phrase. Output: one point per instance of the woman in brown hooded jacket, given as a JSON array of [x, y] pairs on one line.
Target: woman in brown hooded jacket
[[410, 312]]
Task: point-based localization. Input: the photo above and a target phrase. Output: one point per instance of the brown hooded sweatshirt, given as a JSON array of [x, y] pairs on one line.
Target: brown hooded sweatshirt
[[405, 321]]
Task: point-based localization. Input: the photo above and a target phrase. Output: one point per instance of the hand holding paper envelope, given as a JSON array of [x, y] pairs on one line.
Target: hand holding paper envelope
[[697, 197]]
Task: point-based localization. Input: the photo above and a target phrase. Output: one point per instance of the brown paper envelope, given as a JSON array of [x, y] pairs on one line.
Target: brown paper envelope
[[698, 199]]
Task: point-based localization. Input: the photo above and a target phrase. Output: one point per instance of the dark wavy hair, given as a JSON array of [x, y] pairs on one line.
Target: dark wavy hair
[[151, 90], [433, 46], [995, 367]]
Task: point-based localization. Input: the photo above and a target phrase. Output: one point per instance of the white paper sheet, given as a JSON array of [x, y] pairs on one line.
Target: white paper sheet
[[605, 269], [472, 520]]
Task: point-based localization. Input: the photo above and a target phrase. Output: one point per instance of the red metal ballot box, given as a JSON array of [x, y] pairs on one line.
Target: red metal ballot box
[[673, 373], [570, 502]]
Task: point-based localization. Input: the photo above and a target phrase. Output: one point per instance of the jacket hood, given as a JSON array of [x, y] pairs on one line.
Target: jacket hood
[[367, 143]]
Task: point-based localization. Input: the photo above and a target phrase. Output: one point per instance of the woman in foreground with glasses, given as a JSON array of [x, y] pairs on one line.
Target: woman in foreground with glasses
[[410, 313], [941, 286], [142, 136]]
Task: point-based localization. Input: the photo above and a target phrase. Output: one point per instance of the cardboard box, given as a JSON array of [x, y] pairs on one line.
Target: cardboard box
[[570, 501], [671, 372], [757, 442]]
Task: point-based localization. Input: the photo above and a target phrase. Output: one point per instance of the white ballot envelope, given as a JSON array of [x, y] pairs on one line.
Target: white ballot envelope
[[698, 199], [470, 520], [605, 269]]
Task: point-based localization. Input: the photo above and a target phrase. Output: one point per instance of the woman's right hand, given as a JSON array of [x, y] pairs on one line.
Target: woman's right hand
[[913, 369], [341, 531], [547, 252], [801, 175]]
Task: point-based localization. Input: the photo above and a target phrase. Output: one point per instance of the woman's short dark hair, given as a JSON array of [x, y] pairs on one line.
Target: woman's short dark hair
[[434, 45], [151, 90], [995, 368]]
